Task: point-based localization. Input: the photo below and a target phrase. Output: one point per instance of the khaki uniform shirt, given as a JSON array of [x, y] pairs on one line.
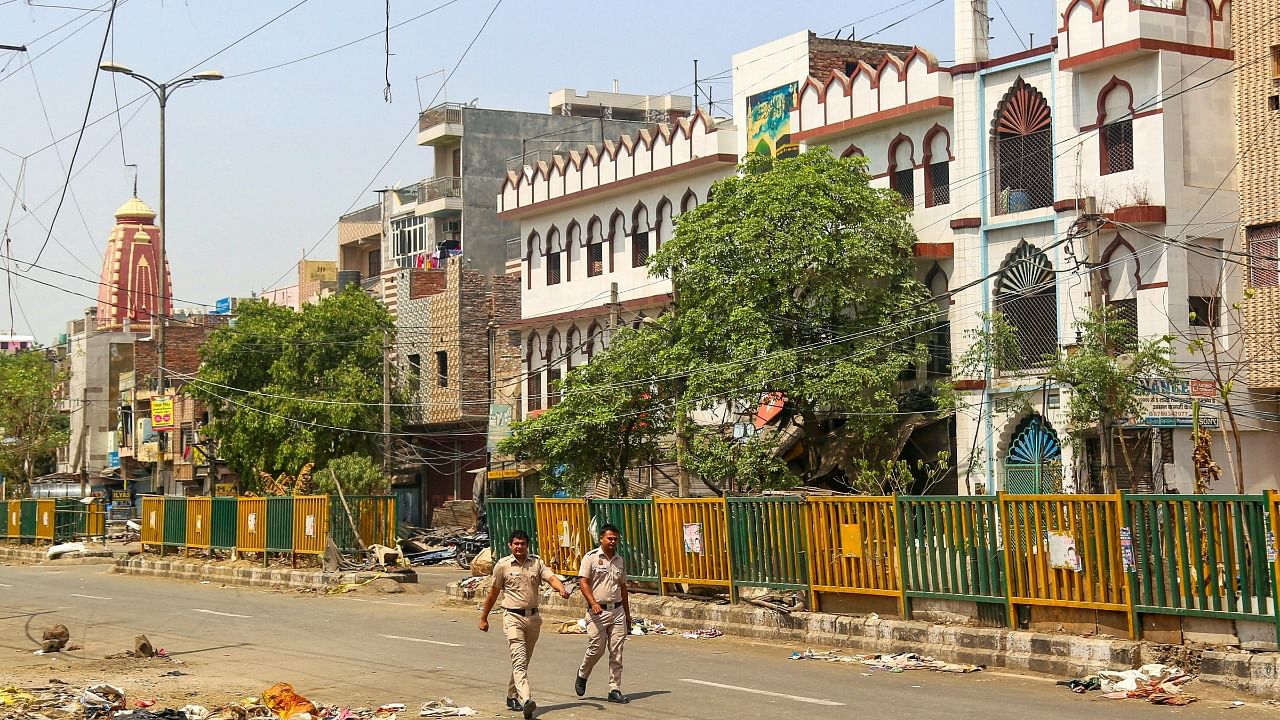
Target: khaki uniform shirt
[[519, 581], [606, 577]]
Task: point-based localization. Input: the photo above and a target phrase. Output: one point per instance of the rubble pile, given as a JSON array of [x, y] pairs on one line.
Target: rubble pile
[[888, 662], [1157, 684], [103, 701]]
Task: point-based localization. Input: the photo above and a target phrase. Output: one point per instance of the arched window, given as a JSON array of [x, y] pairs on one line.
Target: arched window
[[1022, 145], [1115, 127], [937, 167], [853, 151], [617, 231], [555, 253], [595, 248], [902, 169], [533, 373], [572, 248], [639, 236], [688, 202], [532, 255], [552, 359], [1033, 463], [940, 337], [665, 229], [572, 347], [1121, 276], [595, 340], [1026, 295]]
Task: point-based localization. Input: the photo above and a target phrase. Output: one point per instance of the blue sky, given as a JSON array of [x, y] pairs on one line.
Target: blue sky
[[261, 165]]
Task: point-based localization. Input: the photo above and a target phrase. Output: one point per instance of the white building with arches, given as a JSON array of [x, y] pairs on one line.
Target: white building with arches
[[588, 222]]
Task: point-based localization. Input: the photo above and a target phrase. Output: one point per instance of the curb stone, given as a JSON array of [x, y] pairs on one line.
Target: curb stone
[[1060, 656]]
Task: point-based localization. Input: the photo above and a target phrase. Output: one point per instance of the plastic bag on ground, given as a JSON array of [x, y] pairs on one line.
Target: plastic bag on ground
[[286, 703]]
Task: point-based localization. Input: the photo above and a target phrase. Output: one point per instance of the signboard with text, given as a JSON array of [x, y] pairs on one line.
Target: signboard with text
[[1168, 404], [161, 413]]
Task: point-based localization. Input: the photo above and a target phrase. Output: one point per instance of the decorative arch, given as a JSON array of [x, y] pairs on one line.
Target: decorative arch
[[1120, 243], [1026, 294], [689, 201], [1022, 148], [937, 166], [533, 374], [1115, 127], [554, 255], [595, 242], [938, 283], [533, 249], [617, 231], [664, 227], [1034, 441], [853, 151], [640, 232], [572, 345], [902, 161], [896, 158], [595, 339]]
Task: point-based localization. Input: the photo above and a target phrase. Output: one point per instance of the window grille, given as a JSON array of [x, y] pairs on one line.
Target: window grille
[[903, 181], [1117, 138], [1023, 145], [1026, 296], [939, 183], [639, 249], [553, 387], [595, 259], [1126, 311], [442, 368], [553, 268], [534, 391], [1264, 269]]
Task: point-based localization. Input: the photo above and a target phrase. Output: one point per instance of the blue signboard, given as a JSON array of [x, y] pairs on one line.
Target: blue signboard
[[222, 306]]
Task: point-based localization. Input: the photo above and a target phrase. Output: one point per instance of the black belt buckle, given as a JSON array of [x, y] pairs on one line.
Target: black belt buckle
[[610, 606], [523, 612]]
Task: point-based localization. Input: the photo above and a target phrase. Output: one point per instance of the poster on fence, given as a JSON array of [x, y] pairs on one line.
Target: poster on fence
[[566, 536], [851, 540], [1062, 552], [1271, 547], [1126, 549], [310, 526], [693, 538], [252, 523]]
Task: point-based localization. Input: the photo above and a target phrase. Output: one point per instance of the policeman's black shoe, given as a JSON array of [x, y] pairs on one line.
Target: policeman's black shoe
[[616, 696], [513, 704], [580, 686], [529, 707]]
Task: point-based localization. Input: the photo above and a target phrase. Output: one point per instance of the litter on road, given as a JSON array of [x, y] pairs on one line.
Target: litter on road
[[1157, 684], [888, 662]]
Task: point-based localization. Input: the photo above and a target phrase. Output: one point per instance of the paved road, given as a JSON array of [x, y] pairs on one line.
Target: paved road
[[371, 649]]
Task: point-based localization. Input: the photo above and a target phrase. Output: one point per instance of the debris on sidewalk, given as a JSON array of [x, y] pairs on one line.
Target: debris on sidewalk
[[445, 707], [1157, 684], [102, 699], [57, 551], [889, 662], [286, 703], [702, 634], [54, 639], [573, 627], [643, 626]]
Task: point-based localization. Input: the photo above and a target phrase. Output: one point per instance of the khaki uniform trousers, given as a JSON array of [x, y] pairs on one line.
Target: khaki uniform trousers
[[606, 631], [522, 634]]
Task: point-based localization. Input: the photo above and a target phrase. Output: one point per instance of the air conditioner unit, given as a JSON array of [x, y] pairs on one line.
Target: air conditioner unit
[[453, 226]]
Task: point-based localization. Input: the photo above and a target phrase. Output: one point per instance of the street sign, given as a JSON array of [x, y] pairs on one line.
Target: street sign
[[161, 413], [1168, 404], [222, 306]]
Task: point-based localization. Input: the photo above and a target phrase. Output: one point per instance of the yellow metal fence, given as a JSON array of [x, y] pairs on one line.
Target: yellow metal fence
[[853, 546], [693, 541], [563, 534]]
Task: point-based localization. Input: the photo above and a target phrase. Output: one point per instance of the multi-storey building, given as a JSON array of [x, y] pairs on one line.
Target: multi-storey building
[[996, 156], [1257, 78]]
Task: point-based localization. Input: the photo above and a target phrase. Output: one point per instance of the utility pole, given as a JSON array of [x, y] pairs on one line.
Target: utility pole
[[615, 311], [1093, 253], [682, 421], [386, 403]]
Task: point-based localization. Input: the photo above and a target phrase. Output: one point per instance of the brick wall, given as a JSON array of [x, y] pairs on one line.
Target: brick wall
[[182, 342], [1258, 144], [826, 54], [424, 283]]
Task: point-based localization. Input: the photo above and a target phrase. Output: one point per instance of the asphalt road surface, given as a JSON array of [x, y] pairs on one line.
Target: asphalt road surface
[[366, 649]]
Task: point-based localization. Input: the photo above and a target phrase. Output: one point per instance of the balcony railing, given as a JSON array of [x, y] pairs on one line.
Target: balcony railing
[[445, 113], [441, 187]]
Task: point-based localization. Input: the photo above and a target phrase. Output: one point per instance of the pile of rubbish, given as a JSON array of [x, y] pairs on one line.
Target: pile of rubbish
[[889, 662], [1157, 684], [278, 702]]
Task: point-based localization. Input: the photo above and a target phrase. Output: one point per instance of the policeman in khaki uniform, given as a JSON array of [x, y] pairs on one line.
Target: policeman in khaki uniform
[[517, 578], [603, 581]]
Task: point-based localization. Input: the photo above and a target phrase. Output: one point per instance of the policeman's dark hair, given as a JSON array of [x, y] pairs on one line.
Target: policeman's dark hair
[[609, 526], [517, 535]]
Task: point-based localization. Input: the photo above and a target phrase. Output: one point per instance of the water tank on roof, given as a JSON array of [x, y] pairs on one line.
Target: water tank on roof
[[348, 277]]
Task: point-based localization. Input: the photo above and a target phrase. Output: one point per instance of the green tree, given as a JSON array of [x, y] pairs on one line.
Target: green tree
[[31, 427], [358, 475], [287, 388], [609, 419], [797, 277]]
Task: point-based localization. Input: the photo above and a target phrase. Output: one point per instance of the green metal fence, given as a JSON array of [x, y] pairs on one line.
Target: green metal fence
[[4, 519], [1032, 479], [1200, 556], [951, 548], [507, 514], [639, 545], [70, 520], [27, 522], [223, 523], [279, 524], [767, 542], [175, 522]]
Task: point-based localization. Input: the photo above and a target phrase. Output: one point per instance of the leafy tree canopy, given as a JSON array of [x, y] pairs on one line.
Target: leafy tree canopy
[[287, 388], [358, 474], [31, 427]]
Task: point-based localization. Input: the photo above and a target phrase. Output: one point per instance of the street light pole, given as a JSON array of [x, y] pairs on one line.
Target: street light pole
[[161, 90]]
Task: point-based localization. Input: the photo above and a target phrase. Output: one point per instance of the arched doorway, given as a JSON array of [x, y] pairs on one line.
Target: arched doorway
[[1033, 464]]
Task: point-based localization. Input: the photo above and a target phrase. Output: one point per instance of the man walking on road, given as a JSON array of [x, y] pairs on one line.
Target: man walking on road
[[517, 578], [603, 580]]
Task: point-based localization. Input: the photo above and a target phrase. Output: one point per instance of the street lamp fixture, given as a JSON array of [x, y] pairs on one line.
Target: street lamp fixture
[[162, 91]]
